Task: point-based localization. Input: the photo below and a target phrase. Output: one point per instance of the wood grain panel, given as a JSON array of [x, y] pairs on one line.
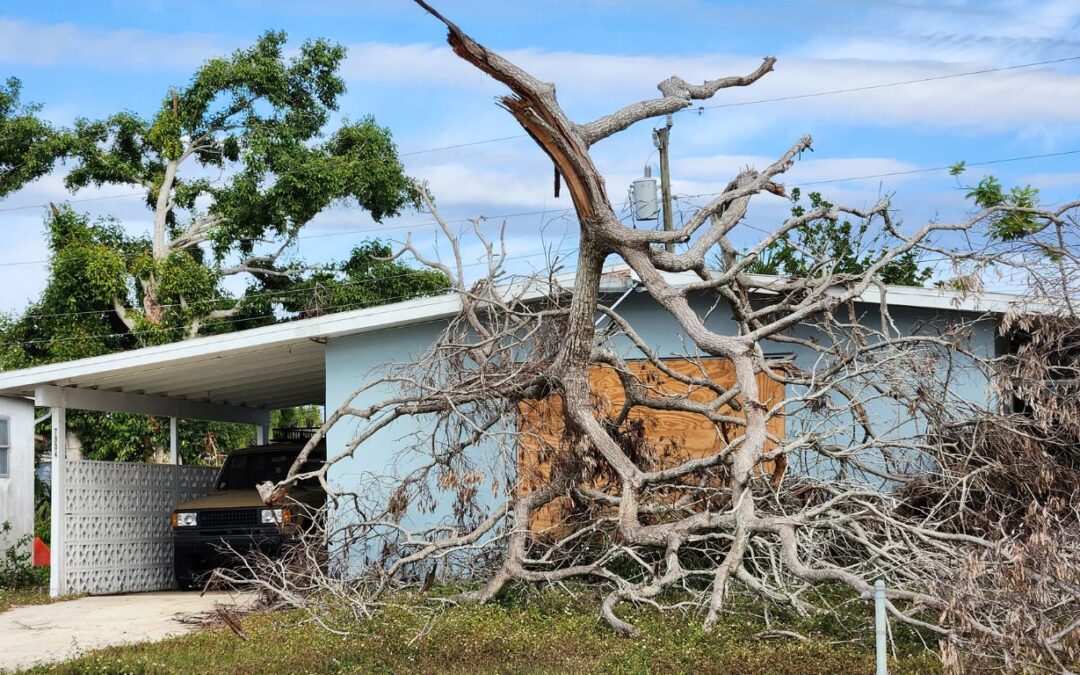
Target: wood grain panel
[[671, 437]]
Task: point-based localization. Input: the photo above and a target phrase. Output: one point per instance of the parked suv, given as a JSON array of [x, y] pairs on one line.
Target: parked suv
[[234, 517]]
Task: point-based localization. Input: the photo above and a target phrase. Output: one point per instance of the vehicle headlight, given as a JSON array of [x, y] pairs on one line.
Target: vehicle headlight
[[185, 519], [271, 516], [276, 516]]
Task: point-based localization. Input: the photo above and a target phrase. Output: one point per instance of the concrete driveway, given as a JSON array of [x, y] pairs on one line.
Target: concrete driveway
[[49, 633]]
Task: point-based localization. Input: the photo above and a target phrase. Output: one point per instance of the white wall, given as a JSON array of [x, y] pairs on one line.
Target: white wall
[[17, 489]]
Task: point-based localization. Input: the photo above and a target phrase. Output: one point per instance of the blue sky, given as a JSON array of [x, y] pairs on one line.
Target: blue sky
[[93, 58]]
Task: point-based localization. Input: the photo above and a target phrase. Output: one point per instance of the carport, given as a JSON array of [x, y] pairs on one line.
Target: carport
[[110, 520]]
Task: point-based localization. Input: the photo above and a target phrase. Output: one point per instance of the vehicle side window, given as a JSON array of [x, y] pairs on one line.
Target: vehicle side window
[[234, 466]]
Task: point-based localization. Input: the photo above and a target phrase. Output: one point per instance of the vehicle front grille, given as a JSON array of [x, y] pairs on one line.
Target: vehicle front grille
[[228, 518]]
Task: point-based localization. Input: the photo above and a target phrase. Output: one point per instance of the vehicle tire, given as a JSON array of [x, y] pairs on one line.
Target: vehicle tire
[[186, 575]]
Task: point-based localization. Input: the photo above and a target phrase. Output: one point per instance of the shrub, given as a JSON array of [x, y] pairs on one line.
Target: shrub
[[16, 565]]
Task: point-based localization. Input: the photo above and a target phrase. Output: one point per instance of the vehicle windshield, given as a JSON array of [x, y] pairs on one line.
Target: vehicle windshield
[[245, 471]]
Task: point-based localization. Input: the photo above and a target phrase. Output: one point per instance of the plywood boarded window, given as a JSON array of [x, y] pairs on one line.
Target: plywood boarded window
[[654, 439]]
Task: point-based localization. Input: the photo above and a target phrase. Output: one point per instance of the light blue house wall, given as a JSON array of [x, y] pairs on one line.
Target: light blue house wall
[[351, 361]]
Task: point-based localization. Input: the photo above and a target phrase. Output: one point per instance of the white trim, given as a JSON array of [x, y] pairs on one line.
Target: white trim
[[899, 296], [115, 401]]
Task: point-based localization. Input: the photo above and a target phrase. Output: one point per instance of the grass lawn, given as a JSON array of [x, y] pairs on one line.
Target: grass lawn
[[542, 633], [31, 595]]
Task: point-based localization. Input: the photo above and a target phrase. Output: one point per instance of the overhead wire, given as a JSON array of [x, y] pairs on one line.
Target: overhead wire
[[277, 294], [831, 92], [387, 302], [520, 214], [710, 107]]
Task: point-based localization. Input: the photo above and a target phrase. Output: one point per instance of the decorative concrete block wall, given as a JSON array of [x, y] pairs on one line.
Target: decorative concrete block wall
[[117, 536]]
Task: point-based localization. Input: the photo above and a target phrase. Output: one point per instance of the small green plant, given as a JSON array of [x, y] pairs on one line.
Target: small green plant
[[16, 566]]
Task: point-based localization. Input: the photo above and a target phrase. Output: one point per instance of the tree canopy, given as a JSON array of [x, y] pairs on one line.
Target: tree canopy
[[28, 145], [232, 167]]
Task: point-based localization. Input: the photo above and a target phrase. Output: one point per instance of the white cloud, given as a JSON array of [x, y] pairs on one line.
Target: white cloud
[[65, 44], [591, 84]]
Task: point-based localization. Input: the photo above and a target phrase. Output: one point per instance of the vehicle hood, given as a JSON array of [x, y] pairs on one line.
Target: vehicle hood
[[249, 499], [224, 499]]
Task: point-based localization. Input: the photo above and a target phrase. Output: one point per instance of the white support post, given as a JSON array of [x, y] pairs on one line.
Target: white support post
[[174, 451], [56, 524], [881, 633], [262, 429]]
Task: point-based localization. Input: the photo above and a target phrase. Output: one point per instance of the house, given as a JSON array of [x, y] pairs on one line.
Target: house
[[109, 529]]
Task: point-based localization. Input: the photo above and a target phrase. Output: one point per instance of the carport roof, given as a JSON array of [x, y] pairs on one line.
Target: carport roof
[[271, 367], [283, 365]]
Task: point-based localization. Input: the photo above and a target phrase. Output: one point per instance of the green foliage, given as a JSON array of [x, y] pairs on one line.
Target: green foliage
[[1012, 218], [42, 510], [74, 316], [259, 115], [300, 417], [260, 119], [825, 246], [16, 565], [538, 632], [368, 278], [126, 437], [28, 146]]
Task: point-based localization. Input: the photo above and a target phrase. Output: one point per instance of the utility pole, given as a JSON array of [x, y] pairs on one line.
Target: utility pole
[[661, 137]]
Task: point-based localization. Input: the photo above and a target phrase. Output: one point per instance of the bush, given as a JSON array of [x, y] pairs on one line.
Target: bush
[[16, 565]]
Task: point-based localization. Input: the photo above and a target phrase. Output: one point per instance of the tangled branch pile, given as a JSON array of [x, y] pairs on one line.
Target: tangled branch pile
[[829, 437]]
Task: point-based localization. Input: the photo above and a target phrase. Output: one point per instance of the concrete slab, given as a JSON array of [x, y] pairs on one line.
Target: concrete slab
[[43, 634]]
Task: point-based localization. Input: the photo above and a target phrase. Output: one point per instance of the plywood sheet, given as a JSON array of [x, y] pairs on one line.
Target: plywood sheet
[[670, 437]]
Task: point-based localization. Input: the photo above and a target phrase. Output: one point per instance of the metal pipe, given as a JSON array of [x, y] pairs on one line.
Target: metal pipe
[[615, 304], [881, 633]]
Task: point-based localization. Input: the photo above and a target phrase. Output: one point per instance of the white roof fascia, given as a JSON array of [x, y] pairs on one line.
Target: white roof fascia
[[903, 296], [423, 310], [331, 326]]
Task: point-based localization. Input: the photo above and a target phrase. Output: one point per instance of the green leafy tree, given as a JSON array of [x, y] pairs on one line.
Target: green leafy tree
[[233, 166], [28, 145], [369, 277], [827, 246], [73, 319]]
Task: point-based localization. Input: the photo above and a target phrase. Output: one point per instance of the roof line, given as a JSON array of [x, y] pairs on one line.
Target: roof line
[[424, 310]]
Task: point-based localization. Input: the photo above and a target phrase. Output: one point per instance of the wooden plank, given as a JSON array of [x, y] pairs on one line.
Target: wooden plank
[[669, 438]]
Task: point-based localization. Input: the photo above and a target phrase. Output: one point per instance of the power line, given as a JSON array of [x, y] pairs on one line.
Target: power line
[[355, 305], [830, 92], [883, 85], [944, 168], [276, 294], [370, 230], [386, 304], [461, 145], [432, 223]]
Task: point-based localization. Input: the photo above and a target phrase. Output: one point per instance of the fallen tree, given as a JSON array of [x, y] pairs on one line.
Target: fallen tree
[[844, 448]]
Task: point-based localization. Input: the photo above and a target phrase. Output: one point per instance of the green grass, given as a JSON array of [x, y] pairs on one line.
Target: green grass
[[544, 632], [29, 595]]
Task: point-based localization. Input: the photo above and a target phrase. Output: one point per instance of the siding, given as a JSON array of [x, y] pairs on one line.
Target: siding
[[351, 361], [17, 490]]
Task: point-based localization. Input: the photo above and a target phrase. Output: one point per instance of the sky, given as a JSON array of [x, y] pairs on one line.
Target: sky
[[95, 58]]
